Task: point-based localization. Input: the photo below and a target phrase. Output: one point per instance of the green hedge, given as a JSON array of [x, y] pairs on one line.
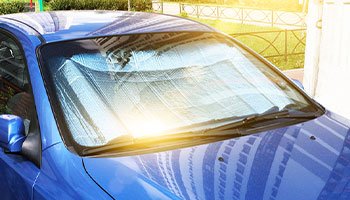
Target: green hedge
[[137, 5], [12, 7]]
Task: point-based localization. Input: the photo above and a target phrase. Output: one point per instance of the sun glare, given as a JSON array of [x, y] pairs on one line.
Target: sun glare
[[140, 129]]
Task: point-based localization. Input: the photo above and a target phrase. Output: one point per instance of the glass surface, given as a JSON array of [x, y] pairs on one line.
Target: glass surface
[[15, 95], [139, 86]]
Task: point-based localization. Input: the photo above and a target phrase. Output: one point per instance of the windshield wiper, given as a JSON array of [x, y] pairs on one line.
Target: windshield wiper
[[232, 127], [182, 139], [263, 117]]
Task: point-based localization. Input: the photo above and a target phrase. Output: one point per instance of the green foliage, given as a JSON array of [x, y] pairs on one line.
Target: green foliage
[[12, 7], [184, 14], [279, 42], [138, 5], [141, 5]]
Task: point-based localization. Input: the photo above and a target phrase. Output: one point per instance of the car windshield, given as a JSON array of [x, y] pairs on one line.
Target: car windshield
[[139, 86]]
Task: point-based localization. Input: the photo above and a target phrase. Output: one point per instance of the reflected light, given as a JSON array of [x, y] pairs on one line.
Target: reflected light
[[142, 128]]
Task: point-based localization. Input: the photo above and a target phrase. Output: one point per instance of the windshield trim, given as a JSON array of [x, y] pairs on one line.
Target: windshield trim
[[80, 150]]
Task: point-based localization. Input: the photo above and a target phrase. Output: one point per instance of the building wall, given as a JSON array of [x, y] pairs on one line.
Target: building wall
[[327, 63]]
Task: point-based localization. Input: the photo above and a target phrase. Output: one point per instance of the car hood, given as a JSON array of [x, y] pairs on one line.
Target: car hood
[[309, 160]]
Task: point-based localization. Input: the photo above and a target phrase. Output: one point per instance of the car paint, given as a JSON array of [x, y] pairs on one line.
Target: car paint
[[304, 161], [18, 174], [11, 133], [284, 163], [68, 25], [62, 176]]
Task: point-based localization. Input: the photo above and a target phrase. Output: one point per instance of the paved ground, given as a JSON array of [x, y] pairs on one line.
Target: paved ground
[[295, 74]]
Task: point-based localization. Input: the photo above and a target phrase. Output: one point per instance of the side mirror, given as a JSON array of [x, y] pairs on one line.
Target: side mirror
[[11, 133], [298, 83]]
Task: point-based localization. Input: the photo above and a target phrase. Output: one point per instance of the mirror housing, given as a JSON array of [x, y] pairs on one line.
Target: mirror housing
[[12, 133], [298, 83]]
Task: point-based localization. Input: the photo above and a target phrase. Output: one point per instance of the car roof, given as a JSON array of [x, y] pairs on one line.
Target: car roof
[[69, 25]]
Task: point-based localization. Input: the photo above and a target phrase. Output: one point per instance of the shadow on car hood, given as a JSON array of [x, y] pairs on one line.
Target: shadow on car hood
[[304, 161]]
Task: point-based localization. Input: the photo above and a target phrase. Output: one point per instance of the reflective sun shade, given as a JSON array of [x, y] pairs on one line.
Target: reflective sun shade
[[147, 84]]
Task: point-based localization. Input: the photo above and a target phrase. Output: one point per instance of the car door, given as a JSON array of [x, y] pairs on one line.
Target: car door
[[17, 172]]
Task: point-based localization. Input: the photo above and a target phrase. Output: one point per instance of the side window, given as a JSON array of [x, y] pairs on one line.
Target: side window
[[15, 94]]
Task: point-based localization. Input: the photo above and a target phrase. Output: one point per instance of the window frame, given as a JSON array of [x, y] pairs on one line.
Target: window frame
[[34, 133]]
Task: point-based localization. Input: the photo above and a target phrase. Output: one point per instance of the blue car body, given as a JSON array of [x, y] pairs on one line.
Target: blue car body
[[309, 160]]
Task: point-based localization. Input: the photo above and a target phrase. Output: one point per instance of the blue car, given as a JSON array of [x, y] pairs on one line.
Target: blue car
[[128, 106]]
